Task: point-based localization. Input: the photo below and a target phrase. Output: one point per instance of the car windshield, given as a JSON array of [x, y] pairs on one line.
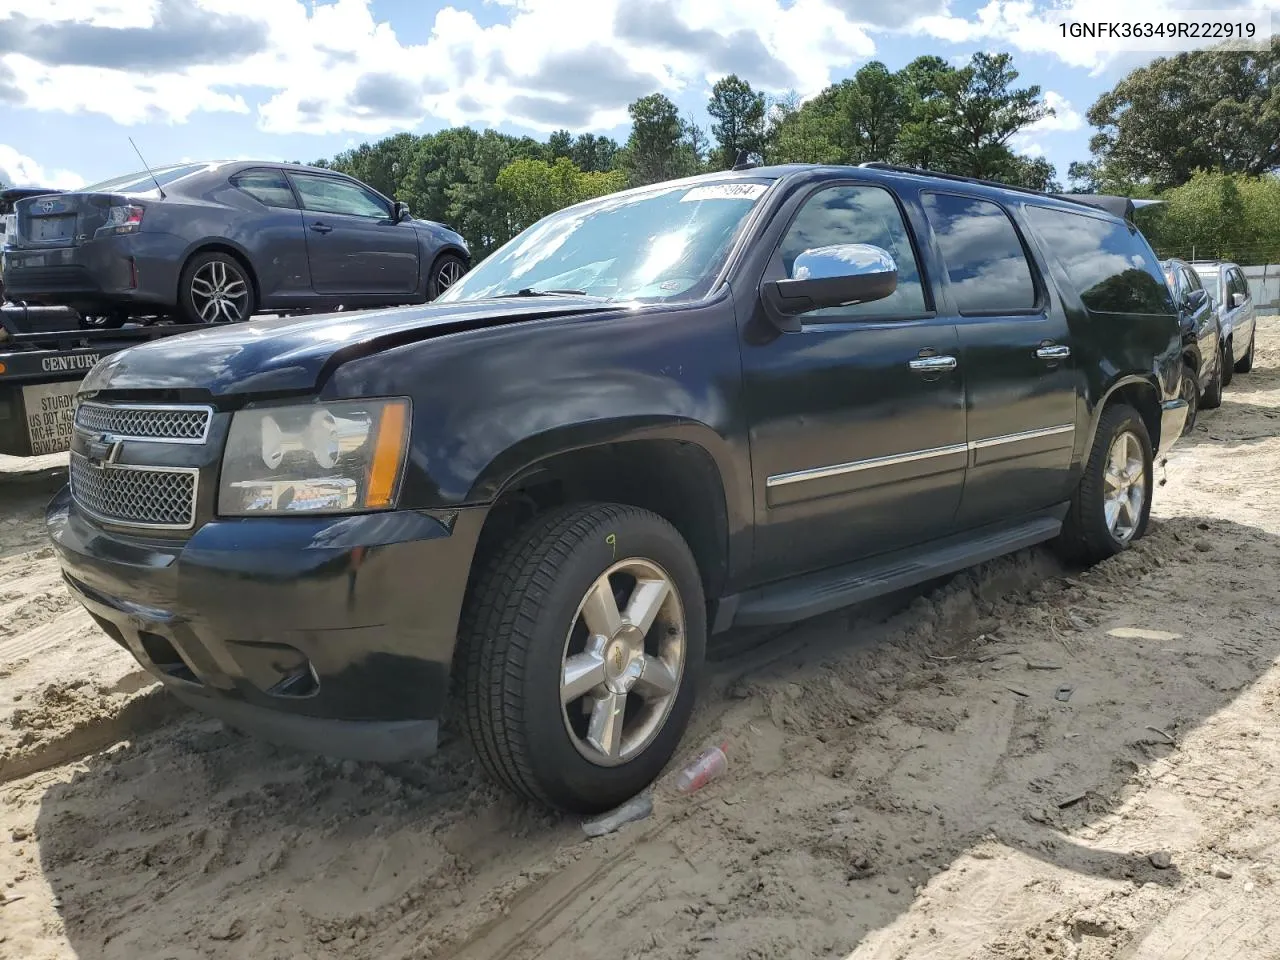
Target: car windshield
[[664, 244], [143, 181], [1209, 277]]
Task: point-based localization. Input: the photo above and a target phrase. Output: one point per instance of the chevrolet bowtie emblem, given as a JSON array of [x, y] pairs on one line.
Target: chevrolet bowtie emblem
[[104, 449]]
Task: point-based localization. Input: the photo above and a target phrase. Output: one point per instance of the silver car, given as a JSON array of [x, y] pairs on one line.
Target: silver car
[[1229, 291]]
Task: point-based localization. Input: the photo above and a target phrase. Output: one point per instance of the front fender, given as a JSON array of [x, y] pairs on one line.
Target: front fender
[[490, 403]]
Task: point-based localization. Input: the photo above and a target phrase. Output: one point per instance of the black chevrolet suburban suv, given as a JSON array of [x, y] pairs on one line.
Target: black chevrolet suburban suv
[[738, 399]]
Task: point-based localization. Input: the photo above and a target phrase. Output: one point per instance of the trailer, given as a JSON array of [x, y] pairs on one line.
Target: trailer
[[44, 354]]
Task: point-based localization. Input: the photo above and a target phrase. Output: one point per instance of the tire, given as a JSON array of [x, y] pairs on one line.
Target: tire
[[446, 265], [1189, 391], [1228, 363], [523, 619], [1211, 399], [1087, 533], [215, 276], [1245, 363]]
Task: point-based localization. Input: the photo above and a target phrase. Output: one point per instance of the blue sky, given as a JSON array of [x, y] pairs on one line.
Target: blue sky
[[302, 79]]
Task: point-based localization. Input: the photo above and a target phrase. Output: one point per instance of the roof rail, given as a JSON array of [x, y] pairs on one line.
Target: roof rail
[[1116, 206]]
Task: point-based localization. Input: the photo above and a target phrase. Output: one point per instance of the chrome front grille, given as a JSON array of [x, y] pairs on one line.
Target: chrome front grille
[[179, 423], [159, 497]]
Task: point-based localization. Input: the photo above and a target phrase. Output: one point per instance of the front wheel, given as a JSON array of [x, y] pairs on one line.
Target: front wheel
[[1228, 363], [215, 288], [1211, 399], [1112, 502], [580, 648], [1189, 391], [448, 269]]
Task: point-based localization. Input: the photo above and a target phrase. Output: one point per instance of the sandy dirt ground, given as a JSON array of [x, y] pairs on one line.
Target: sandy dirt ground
[[1027, 761]]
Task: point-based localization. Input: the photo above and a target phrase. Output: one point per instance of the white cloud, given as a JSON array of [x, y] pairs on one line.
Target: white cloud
[[330, 66], [1064, 119], [19, 170], [1045, 27]]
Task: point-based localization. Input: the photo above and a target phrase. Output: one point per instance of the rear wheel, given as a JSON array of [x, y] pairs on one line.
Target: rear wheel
[[448, 269], [1245, 363], [215, 288], [1112, 504], [580, 648]]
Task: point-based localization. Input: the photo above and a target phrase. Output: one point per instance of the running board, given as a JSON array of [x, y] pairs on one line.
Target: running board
[[817, 593]]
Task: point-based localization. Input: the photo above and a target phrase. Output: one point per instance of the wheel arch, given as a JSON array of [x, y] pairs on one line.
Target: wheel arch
[[218, 245], [1138, 391], [670, 472]]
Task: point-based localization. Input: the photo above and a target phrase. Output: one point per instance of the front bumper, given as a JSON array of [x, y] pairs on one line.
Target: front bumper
[[136, 269], [334, 635], [1173, 417]]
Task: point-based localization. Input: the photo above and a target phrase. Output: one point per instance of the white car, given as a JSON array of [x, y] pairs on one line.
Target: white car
[[1229, 291]]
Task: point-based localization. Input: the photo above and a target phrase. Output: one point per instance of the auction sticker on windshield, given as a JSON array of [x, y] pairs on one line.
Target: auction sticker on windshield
[[49, 415], [725, 191]]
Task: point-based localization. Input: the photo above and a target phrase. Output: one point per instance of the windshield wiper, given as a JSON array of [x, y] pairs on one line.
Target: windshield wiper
[[531, 292]]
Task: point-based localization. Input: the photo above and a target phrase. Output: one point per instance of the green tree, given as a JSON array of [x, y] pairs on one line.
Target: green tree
[[1226, 215], [739, 115], [985, 111], [379, 164], [930, 86], [654, 150], [876, 105], [1210, 109], [812, 132], [533, 188], [594, 154], [560, 144]]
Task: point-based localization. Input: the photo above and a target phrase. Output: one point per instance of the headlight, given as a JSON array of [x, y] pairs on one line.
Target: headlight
[[314, 458]]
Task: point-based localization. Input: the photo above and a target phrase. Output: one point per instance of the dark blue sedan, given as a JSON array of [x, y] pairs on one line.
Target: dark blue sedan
[[219, 242]]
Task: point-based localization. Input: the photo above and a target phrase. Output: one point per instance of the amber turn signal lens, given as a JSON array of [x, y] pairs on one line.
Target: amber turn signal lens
[[388, 454]]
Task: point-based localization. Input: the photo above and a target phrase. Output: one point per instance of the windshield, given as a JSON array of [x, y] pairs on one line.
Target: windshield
[[142, 181], [1210, 280], [664, 244]]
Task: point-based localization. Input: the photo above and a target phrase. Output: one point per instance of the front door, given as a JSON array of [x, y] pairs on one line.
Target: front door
[[857, 419], [1016, 351], [354, 244]]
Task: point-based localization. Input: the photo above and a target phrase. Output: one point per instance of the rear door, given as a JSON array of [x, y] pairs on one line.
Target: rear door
[[278, 242], [354, 244], [1017, 353]]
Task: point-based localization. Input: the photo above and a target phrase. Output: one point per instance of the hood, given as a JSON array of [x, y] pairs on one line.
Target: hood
[[295, 354]]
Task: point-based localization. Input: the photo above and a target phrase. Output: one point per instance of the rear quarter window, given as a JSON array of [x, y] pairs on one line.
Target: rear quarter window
[[1109, 262]]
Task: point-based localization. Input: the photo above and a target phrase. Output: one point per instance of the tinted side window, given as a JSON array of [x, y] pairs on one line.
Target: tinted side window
[[330, 195], [1110, 263], [859, 214], [269, 186], [985, 261], [1192, 279]]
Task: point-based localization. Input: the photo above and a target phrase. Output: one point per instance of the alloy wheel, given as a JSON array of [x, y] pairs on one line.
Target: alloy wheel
[[450, 272], [1124, 486], [623, 662], [219, 293]]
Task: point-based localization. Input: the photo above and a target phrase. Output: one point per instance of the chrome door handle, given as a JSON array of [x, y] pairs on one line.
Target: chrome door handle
[[1053, 351], [933, 364]]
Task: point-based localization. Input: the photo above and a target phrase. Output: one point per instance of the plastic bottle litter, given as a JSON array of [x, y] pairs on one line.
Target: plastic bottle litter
[[703, 770], [637, 808]]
